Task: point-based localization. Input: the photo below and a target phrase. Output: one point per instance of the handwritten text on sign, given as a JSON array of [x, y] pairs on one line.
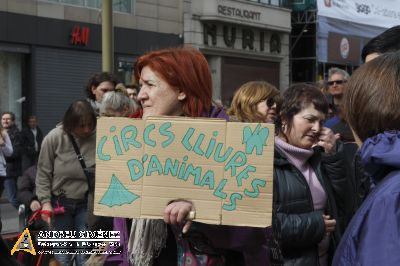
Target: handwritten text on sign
[[225, 169]]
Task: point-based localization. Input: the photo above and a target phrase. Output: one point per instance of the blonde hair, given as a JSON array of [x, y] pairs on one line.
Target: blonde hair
[[121, 88], [246, 98]]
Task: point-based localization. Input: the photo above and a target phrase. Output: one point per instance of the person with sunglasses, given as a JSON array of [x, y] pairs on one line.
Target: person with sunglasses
[[254, 101], [337, 78]]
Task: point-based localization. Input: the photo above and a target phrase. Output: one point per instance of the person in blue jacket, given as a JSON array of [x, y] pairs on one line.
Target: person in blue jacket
[[371, 104]]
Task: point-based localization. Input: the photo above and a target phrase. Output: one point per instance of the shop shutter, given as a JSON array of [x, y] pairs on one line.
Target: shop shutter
[[237, 71], [59, 77]]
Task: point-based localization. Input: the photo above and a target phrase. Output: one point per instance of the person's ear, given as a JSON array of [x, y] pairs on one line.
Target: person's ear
[[93, 89], [181, 96]]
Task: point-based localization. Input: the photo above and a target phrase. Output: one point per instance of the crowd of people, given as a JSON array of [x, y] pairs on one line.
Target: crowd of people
[[335, 168]]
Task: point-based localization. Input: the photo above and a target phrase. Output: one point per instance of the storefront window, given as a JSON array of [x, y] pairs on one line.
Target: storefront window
[[11, 84], [125, 6], [125, 70]]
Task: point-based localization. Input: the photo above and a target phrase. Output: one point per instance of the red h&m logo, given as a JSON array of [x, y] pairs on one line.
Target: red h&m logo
[[80, 36]]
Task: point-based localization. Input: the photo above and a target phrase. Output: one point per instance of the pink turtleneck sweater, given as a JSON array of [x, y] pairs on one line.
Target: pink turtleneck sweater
[[299, 157]]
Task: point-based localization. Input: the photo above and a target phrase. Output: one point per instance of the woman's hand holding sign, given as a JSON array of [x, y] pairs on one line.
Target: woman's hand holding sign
[[180, 211]]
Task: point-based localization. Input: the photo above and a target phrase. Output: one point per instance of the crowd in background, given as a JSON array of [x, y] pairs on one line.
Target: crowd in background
[[336, 164]]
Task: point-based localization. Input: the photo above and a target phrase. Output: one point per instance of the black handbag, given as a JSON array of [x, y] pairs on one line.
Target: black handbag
[[89, 172]]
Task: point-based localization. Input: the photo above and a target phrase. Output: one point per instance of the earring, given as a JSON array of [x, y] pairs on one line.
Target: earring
[[283, 128]]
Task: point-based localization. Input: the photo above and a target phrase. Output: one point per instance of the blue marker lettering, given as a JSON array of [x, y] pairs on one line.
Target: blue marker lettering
[[232, 205], [255, 184], [146, 135], [130, 140], [218, 191], [135, 164], [169, 168], [217, 154], [211, 145], [208, 179], [199, 141], [182, 168], [233, 163], [100, 154], [117, 146], [194, 171], [165, 132], [186, 138], [154, 166], [244, 174]]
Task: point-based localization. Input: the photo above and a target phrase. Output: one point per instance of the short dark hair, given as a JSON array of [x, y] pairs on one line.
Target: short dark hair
[[295, 99], [98, 78], [387, 41], [372, 98], [132, 86], [77, 111], [9, 113]]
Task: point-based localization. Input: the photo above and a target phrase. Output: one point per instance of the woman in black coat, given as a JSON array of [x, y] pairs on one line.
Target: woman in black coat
[[26, 193], [310, 184]]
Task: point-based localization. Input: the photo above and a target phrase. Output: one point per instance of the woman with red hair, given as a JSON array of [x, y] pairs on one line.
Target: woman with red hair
[[177, 82], [179, 76]]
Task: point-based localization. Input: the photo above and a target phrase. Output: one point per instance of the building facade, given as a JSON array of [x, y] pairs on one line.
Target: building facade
[[332, 33], [242, 41], [50, 48]]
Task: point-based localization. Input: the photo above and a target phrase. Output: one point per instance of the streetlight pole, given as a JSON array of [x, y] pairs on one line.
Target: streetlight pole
[[107, 40]]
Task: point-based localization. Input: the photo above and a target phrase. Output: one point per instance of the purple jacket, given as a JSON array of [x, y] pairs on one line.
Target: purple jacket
[[373, 235], [248, 240]]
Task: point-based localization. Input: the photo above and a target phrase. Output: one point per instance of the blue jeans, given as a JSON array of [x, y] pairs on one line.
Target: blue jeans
[[73, 219], [10, 188]]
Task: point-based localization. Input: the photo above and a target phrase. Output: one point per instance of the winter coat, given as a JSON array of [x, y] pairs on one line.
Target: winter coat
[[360, 181], [14, 160], [297, 227], [26, 187], [28, 143], [59, 172], [373, 235]]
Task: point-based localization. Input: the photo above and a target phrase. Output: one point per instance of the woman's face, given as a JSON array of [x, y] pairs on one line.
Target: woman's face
[[157, 96], [269, 113], [306, 126], [85, 128], [103, 87]]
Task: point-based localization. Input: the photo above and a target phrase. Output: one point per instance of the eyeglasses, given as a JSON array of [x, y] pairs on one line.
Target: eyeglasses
[[270, 102], [338, 82]]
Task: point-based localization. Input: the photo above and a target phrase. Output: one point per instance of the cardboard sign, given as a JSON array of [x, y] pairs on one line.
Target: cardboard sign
[[224, 168]]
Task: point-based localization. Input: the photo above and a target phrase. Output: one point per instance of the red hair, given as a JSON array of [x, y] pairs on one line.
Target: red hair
[[184, 69]]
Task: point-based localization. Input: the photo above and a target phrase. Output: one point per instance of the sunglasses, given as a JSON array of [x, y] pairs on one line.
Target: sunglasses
[[338, 82], [270, 102]]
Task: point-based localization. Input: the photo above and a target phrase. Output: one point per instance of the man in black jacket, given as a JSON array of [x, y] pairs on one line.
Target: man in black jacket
[[32, 138], [13, 161]]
